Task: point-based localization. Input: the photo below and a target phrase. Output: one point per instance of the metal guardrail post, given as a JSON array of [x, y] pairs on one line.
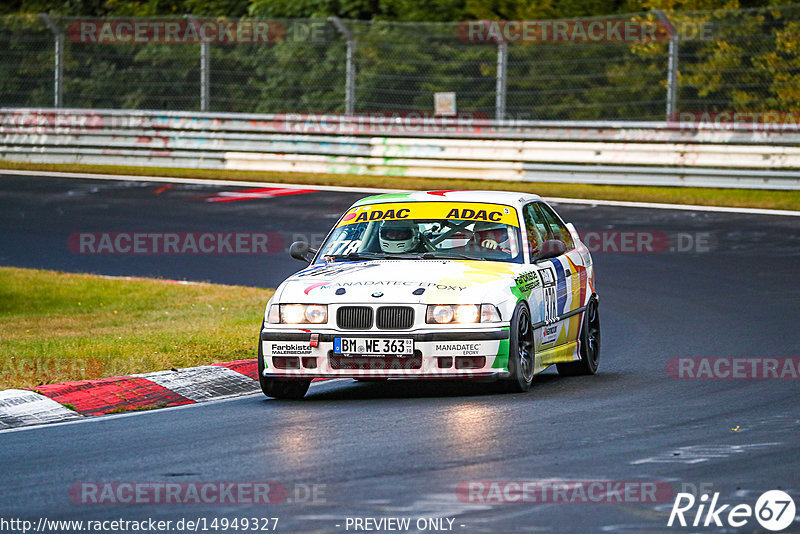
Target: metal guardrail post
[[500, 95], [350, 67], [205, 71], [58, 83], [205, 75], [672, 64]]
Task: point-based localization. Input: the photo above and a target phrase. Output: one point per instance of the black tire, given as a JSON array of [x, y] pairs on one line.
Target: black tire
[[276, 387], [520, 351], [589, 345]]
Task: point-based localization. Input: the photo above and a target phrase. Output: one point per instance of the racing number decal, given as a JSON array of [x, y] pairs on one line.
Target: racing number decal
[[550, 304], [345, 246], [547, 277], [549, 296]]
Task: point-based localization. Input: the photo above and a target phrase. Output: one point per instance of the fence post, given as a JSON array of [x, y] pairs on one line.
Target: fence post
[[205, 75], [350, 67], [500, 92], [58, 83], [205, 69], [672, 64]]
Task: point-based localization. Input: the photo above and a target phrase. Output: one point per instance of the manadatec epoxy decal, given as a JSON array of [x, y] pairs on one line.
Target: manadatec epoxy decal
[[335, 269]]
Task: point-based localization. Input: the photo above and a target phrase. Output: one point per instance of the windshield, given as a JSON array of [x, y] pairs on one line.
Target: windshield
[[426, 230]]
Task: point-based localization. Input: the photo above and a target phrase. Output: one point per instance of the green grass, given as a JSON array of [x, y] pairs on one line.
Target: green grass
[[704, 196], [56, 327]]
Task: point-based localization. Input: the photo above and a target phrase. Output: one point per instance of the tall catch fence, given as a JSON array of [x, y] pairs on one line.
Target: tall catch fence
[[642, 66]]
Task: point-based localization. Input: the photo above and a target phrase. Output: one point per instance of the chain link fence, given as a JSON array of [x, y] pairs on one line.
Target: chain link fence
[[717, 61]]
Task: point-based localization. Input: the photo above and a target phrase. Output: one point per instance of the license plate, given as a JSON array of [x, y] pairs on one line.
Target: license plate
[[351, 345]]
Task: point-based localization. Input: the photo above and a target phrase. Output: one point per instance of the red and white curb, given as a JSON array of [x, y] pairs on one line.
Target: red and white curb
[[258, 192], [20, 407], [67, 401]]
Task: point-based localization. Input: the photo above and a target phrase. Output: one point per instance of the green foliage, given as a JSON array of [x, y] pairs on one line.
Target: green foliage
[[745, 59], [401, 10]]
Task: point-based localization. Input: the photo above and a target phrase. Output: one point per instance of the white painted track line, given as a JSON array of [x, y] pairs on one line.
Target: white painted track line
[[342, 189]]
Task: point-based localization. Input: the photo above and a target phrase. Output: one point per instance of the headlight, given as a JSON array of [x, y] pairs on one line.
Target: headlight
[[298, 313], [440, 314], [467, 314], [489, 314], [461, 313], [317, 313], [273, 315]]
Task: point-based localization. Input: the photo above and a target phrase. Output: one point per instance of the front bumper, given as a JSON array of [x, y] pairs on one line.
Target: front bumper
[[453, 354]]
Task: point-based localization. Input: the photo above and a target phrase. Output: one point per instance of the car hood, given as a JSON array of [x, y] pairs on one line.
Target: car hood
[[400, 281]]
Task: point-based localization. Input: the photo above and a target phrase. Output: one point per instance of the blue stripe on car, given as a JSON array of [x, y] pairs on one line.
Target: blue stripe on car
[[561, 288]]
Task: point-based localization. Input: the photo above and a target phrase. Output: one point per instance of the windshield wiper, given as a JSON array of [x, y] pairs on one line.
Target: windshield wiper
[[354, 256], [372, 256], [450, 256]]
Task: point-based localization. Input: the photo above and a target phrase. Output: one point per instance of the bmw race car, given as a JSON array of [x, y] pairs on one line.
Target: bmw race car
[[435, 284]]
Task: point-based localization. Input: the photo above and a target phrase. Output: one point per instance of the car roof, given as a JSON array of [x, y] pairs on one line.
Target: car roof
[[509, 198]]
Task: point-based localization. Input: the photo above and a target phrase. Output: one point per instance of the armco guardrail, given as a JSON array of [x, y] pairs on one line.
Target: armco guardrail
[[636, 153]]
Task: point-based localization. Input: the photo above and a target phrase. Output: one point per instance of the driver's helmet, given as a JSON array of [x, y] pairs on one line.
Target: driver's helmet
[[398, 236], [491, 235]]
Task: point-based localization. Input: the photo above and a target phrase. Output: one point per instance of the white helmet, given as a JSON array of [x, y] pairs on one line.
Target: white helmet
[[398, 236], [491, 235]]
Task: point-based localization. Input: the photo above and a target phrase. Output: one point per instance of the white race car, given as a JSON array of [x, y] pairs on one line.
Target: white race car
[[435, 284]]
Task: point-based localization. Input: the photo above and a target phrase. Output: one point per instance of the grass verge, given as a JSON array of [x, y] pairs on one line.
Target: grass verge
[[703, 196], [56, 326]]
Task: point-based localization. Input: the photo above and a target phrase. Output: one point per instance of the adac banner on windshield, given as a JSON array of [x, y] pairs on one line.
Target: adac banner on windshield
[[398, 211]]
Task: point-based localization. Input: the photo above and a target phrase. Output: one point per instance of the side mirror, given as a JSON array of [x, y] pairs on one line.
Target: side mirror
[[301, 251], [551, 248]]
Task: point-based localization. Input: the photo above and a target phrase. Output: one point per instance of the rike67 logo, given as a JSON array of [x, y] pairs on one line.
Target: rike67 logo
[[774, 511]]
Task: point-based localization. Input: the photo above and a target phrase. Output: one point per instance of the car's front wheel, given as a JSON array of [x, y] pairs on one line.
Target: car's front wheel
[[520, 351], [589, 345], [277, 387]]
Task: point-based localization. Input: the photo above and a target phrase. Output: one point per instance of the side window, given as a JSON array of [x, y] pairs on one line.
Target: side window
[[556, 229], [535, 228]]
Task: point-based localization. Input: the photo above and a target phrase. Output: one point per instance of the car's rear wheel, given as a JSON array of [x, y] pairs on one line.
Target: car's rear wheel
[[277, 387], [589, 345], [520, 351]]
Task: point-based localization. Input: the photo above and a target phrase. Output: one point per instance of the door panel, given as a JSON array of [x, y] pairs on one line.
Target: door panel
[[562, 289]]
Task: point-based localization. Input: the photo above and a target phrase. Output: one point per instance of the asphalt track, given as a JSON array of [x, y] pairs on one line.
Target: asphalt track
[[399, 449]]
